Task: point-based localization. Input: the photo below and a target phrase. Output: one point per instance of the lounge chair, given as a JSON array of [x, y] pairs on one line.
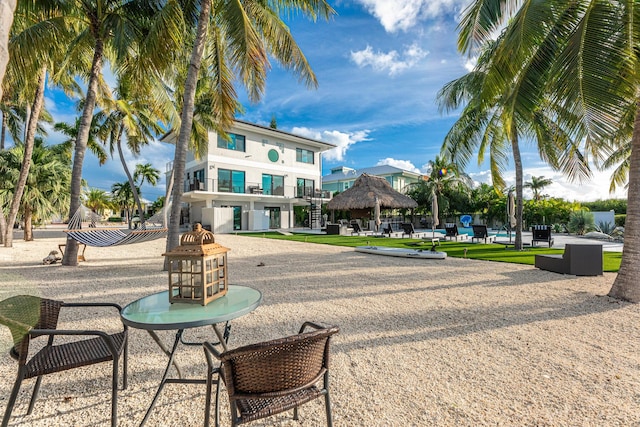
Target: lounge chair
[[451, 232], [541, 233], [407, 229], [480, 232], [357, 229], [579, 260]]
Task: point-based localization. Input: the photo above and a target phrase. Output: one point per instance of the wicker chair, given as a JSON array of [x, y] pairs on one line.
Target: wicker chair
[[267, 378], [29, 317]]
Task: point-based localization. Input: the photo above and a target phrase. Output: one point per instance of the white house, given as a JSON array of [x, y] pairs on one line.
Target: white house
[[254, 179]]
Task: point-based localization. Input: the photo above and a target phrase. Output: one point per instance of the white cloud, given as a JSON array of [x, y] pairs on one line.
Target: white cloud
[[342, 140], [596, 188], [402, 164], [392, 61], [402, 15]]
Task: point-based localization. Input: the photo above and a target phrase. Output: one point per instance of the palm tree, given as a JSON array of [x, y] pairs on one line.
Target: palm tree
[[592, 81], [32, 55], [47, 186], [97, 200], [240, 36], [103, 29], [67, 146], [537, 184], [133, 114], [122, 195], [502, 108]]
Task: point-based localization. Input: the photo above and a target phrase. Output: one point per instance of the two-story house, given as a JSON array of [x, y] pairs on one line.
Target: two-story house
[[254, 179]]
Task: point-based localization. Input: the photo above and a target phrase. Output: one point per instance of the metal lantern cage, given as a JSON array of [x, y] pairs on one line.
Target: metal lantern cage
[[197, 268]]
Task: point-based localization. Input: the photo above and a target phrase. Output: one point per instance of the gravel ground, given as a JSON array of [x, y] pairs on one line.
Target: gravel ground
[[422, 342]]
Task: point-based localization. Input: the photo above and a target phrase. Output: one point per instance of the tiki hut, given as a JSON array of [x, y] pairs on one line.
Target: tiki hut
[[361, 198]]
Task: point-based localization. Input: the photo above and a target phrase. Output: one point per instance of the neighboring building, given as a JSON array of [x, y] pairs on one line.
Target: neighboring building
[[342, 178], [253, 180]]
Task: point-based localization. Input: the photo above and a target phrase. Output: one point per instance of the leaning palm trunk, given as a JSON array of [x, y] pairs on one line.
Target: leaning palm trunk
[[188, 103], [38, 102], [7, 7], [71, 252], [626, 285], [132, 184]]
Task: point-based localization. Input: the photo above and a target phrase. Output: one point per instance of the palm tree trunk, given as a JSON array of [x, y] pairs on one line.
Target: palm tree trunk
[[3, 130], [517, 161], [626, 285], [38, 102], [28, 224], [71, 252], [188, 102], [134, 191], [7, 7]]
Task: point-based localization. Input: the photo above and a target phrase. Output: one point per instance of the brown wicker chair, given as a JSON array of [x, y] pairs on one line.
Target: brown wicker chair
[[29, 317], [267, 378]]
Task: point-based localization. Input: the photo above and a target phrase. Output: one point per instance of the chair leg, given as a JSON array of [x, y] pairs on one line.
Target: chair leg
[[114, 393], [125, 367], [34, 395], [295, 413], [207, 403], [12, 400], [327, 407]]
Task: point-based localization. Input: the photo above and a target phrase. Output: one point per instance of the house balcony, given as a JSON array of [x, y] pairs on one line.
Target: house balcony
[[214, 189]]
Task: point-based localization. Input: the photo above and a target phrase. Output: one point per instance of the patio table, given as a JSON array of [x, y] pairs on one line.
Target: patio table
[[155, 312]]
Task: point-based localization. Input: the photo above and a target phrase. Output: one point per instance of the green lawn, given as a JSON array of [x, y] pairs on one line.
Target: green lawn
[[488, 252]]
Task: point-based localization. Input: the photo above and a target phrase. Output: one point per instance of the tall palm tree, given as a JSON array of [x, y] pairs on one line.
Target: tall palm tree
[[537, 184], [33, 53], [67, 146], [502, 108], [134, 114], [97, 200], [592, 78], [242, 34], [104, 29]]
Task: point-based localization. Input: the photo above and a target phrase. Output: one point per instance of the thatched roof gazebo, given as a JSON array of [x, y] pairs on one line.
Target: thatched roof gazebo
[[362, 196]]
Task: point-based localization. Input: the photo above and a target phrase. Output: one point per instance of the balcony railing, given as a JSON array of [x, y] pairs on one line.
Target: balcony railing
[[289, 191]]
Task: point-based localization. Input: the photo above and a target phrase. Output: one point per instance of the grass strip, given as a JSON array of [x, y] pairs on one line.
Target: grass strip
[[486, 252]]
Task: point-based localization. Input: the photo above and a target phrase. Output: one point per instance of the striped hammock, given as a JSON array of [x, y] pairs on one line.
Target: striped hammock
[[103, 237]]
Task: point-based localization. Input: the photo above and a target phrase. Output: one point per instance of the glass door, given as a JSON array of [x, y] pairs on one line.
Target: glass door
[[274, 217]]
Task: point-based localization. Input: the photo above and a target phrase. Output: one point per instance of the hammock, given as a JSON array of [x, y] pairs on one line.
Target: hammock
[[103, 237]]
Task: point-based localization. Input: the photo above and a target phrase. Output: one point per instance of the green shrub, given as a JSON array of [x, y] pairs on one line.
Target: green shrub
[[581, 222], [620, 220], [115, 219]]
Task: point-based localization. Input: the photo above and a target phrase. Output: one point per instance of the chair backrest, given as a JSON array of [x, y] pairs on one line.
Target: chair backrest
[[480, 231], [356, 227], [22, 313], [408, 228], [277, 366], [451, 230], [541, 231], [387, 229]]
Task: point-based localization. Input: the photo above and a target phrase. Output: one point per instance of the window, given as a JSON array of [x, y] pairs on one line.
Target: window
[[230, 181], [235, 142], [305, 187], [273, 185], [304, 156]]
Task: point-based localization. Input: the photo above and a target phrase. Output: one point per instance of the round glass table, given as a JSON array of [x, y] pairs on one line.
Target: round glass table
[[155, 312]]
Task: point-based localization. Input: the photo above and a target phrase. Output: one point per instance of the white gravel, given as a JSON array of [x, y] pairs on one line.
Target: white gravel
[[423, 342]]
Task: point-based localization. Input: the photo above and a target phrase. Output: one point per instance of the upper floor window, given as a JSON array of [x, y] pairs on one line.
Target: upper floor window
[[304, 156], [230, 181], [273, 184], [305, 187], [235, 142]]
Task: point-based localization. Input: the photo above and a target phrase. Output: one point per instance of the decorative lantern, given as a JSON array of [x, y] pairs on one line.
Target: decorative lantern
[[197, 268]]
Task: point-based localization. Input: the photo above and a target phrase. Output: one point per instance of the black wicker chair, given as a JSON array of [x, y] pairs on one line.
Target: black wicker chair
[[29, 317], [271, 377]]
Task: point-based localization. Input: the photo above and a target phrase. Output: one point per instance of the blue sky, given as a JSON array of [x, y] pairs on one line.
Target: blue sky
[[379, 65]]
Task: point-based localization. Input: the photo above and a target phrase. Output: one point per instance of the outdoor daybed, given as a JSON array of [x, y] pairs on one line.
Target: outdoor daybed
[[579, 260]]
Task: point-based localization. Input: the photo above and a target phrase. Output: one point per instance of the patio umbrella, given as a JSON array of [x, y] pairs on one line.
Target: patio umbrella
[[511, 212], [434, 213], [376, 212]]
